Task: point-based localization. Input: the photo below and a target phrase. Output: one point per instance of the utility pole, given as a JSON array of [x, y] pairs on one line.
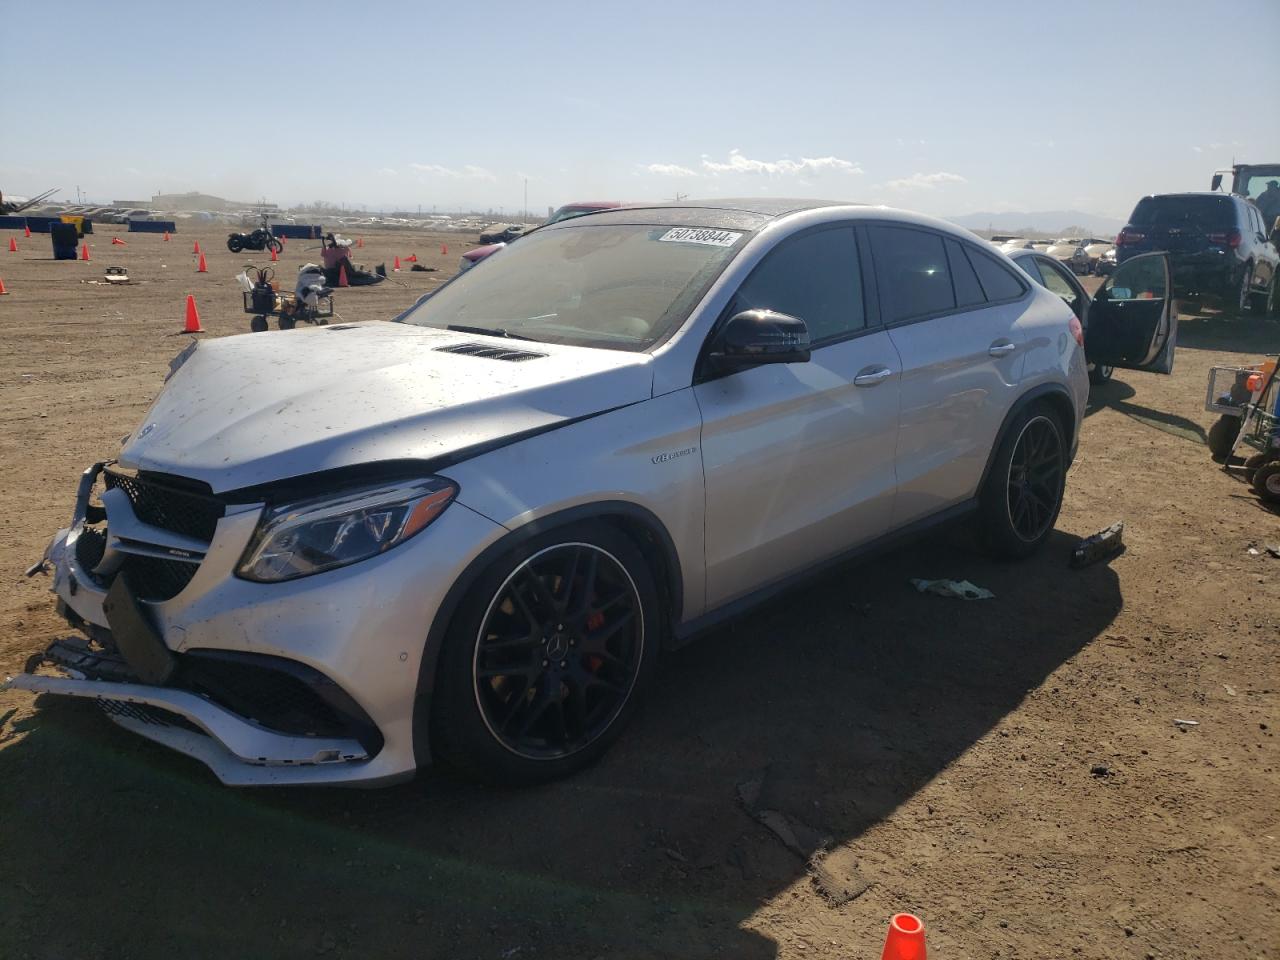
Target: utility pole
[[525, 216]]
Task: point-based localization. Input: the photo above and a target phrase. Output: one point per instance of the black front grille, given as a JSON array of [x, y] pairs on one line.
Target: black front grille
[[90, 546], [163, 505], [156, 579]]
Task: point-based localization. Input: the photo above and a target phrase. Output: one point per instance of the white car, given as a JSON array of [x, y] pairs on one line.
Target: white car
[[333, 555]]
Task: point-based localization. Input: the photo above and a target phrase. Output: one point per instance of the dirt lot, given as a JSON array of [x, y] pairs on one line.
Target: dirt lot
[[1009, 770]]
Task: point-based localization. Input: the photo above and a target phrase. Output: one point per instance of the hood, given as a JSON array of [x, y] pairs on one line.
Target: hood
[[263, 407]]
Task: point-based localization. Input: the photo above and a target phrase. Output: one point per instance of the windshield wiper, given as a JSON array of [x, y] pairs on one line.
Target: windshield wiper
[[487, 331]]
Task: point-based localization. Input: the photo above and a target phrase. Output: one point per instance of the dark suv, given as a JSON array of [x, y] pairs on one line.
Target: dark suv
[[1218, 246]]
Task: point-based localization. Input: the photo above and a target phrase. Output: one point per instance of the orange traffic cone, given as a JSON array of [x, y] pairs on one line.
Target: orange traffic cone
[[905, 940], [26, 229], [166, 236], [201, 267], [195, 247], [84, 251], [3, 291], [396, 268], [193, 317], [117, 242], [13, 245], [342, 275], [444, 249], [274, 257], [359, 241], [411, 258]]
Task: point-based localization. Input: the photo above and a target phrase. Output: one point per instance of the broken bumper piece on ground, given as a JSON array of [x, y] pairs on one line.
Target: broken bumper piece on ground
[[239, 752]]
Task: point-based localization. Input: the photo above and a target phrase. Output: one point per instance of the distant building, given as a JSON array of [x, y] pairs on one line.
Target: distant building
[[202, 201]]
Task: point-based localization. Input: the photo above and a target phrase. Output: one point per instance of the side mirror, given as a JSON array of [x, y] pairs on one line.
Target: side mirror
[[753, 337], [1216, 182]]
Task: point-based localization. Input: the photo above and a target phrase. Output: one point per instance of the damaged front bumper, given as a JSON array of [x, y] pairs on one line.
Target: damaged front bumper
[[312, 681], [239, 752]]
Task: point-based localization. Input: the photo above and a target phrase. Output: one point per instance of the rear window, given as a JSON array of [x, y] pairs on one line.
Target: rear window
[[997, 281], [912, 269], [1200, 213]]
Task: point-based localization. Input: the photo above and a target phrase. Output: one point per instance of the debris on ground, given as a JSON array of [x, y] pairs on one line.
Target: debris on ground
[[1100, 770], [959, 589], [797, 836], [1100, 546], [1186, 723], [421, 269]]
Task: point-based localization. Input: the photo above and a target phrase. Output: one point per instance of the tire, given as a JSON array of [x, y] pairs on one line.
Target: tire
[[1222, 435], [1252, 465], [1239, 305], [287, 323], [235, 244], [525, 635], [258, 325], [1273, 301], [1101, 373], [276, 245], [1266, 482], [1020, 500]]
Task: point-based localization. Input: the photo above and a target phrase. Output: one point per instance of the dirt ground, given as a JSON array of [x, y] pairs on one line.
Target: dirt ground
[[1009, 770]]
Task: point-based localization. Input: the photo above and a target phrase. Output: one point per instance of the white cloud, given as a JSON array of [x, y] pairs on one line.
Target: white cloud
[[468, 172], [925, 181], [670, 170], [386, 172], [737, 163]]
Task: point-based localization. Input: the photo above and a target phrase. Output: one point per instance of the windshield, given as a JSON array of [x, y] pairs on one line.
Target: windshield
[[622, 287]]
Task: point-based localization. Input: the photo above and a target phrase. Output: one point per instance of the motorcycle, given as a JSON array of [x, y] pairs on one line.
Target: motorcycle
[[260, 239]]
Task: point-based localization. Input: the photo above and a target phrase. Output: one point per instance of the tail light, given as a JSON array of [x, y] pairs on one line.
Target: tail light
[[1230, 238], [1077, 331], [1127, 236]]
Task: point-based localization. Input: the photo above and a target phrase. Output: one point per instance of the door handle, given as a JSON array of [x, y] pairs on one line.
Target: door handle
[[870, 376], [1002, 348]]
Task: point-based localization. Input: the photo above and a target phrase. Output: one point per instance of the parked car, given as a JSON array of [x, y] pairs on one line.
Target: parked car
[[1106, 263], [1095, 248], [1070, 251], [467, 535], [1218, 244], [1100, 350], [501, 232], [567, 212]]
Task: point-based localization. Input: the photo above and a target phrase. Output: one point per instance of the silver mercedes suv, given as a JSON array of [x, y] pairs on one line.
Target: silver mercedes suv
[[332, 555]]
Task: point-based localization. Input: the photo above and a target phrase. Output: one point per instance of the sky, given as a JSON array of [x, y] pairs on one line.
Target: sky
[[943, 107]]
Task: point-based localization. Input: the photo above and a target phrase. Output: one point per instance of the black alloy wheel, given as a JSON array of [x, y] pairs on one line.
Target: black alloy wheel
[[558, 651], [1035, 479]]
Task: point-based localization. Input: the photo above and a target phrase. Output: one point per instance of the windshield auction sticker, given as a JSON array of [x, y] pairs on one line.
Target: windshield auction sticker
[[712, 238]]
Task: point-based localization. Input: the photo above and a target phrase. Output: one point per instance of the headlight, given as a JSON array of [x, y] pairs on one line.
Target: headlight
[[309, 536]]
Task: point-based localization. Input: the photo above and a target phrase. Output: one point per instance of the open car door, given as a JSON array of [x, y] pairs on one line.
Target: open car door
[[1132, 322]]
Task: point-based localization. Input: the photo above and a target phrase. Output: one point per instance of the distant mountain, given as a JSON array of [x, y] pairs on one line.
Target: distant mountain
[[1040, 221]]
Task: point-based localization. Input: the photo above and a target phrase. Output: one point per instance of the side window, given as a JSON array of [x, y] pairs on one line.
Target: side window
[[1032, 268], [997, 281], [815, 277], [911, 268], [968, 292], [1057, 283]]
